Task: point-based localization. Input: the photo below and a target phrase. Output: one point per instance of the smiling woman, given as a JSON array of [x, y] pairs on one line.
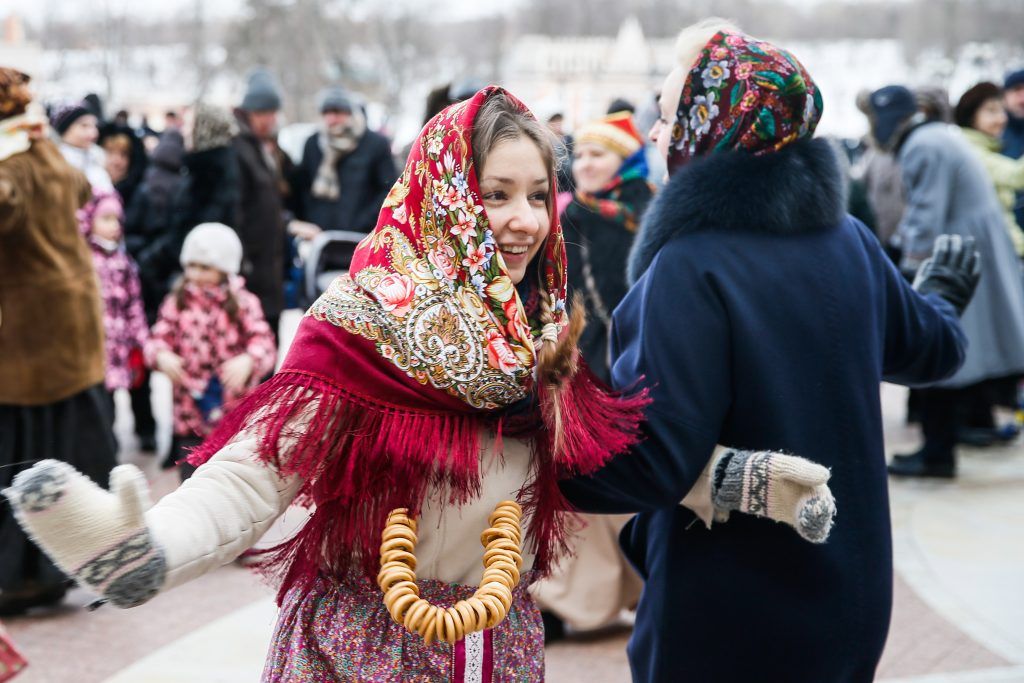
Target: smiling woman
[[514, 154], [442, 348]]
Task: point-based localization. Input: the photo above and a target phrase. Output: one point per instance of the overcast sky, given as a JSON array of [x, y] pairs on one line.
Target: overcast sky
[[35, 10]]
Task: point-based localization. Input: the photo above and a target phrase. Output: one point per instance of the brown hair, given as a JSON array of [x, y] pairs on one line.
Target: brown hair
[[230, 303], [497, 121], [14, 92], [118, 142]]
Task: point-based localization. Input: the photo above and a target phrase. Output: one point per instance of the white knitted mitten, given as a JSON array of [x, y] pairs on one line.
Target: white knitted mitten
[[98, 537], [781, 487]]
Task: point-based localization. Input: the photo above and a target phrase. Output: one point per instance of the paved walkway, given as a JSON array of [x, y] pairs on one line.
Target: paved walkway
[[958, 615]]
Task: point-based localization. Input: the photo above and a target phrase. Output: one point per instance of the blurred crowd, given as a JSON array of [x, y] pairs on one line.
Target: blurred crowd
[[201, 234]]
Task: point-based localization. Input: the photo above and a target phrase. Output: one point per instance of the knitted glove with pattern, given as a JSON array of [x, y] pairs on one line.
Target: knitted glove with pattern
[[98, 537], [781, 487], [116, 544]]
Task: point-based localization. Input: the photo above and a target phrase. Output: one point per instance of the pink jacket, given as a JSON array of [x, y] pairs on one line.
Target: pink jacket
[[124, 320], [204, 335]]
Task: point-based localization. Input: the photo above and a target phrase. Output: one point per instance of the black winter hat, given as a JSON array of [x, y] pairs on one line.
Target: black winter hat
[[62, 116], [621, 104], [972, 100], [261, 93], [170, 150], [1014, 79], [890, 107]]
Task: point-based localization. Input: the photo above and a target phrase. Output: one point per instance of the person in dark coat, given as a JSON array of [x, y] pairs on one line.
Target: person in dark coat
[[125, 158], [212, 192], [149, 229], [262, 222], [612, 192], [1013, 136], [346, 170], [950, 193], [205, 190], [149, 217], [763, 317]]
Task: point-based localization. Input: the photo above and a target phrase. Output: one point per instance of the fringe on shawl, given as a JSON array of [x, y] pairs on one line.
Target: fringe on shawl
[[360, 459], [597, 424]]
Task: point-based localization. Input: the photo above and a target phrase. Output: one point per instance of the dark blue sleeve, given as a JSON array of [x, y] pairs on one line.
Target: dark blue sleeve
[[924, 342], [670, 334]]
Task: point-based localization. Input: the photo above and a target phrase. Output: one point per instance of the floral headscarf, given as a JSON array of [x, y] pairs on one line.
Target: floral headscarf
[[397, 370], [429, 286], [743, 94]]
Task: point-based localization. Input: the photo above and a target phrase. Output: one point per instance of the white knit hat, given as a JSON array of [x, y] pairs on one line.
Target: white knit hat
[[215, 245]]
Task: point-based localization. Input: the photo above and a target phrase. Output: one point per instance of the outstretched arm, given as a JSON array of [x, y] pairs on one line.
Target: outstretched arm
[[690, 386], [117, 545]]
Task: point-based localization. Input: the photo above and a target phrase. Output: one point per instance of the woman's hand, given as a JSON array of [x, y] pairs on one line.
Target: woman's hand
[[304, 230]]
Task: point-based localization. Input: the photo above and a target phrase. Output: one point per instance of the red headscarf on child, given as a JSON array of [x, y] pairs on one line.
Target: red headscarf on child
[[397, 367]]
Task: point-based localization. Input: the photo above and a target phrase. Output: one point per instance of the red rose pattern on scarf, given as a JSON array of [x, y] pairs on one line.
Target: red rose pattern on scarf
[[428, 285]]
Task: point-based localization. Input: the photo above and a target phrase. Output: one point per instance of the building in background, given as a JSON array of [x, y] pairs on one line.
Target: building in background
[[580, 75]]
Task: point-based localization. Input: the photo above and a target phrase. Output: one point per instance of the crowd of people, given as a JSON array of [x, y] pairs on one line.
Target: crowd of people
[[933, 167], [642, 324]]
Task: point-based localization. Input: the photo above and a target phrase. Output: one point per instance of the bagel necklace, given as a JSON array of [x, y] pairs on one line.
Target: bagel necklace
[[489, 605]]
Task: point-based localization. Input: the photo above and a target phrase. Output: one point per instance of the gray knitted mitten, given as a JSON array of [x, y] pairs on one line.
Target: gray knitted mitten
[[781, 487], [98, 537]]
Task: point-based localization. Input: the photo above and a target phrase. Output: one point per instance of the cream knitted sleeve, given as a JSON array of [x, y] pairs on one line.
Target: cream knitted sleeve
[[218, 513], [127, 551]]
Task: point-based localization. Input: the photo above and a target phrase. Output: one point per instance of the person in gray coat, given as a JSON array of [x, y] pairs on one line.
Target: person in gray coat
[[948, 192]]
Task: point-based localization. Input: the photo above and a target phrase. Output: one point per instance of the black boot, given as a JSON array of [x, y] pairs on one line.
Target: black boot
[[924, 463]]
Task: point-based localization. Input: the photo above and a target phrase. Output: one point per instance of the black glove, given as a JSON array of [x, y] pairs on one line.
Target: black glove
[[952, 272]]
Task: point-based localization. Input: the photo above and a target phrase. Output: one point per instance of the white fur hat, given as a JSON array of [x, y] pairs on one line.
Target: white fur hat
[[215, 245]]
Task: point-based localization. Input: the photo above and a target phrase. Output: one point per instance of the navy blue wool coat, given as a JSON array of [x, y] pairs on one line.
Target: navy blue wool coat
[[763, 317]]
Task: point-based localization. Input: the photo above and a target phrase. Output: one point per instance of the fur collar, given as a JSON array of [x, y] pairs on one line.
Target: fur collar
[[797, 189]]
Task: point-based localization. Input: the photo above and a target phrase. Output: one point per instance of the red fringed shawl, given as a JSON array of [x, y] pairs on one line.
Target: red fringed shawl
[[398, 367]]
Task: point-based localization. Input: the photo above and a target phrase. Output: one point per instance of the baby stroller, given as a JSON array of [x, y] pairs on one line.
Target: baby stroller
[[329, 256]]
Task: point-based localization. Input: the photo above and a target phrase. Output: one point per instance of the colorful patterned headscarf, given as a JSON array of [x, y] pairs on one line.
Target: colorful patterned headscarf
[[617, 133], [611, 201], [743, 94], [429, 286], [399, 367]]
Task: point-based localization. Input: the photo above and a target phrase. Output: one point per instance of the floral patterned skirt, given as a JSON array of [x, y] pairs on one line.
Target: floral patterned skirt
[[340, 630]]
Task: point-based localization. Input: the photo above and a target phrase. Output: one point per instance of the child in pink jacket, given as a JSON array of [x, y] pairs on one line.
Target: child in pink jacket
[[124, 320], [210, 337]]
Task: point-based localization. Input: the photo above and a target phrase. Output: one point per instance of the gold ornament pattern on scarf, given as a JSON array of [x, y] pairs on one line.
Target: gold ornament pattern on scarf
[[489, 605], [435, 342]]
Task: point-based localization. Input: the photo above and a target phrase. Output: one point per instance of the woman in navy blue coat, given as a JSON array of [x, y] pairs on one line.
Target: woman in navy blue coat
[[762, 317]]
